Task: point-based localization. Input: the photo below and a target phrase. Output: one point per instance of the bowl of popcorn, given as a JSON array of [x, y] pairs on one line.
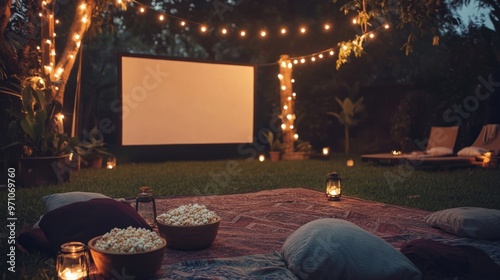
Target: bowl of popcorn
[[135, 252], [188, 227]]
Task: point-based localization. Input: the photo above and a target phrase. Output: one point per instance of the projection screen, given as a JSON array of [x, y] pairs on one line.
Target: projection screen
[[169, 102]]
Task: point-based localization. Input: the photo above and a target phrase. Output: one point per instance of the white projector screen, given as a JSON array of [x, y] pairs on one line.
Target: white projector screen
[[169, 102]]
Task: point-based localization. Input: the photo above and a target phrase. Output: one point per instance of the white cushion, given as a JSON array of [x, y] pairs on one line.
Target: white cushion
[[471, 151], [56, 200], [474, 222], [440, 151], [337, 249]]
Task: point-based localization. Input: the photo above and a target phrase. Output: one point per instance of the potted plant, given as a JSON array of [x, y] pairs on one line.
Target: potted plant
[[275, 145], [92, 150], [44, 152]]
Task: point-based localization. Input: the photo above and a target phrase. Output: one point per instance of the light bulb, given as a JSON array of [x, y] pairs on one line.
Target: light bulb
[[302, 30], [203, 28], [283, 87], [161, 17], [243, 33], [332, 52], [295, 61], [327, 26], [142, 10], [303, 60], [263, 33], [283, 31], [386, 26], [280, 76]]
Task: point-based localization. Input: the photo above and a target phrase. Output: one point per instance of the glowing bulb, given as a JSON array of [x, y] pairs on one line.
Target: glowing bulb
[[280, 76], [53, 53], [54, 34], [243, 33], [290, 65], [293, 81], [283, 126], [386, 26], [40, 15], [283, 87], [161, 17], [289, 98], [320, 55], [60, 70], [344, 47], [57, 21], [285, 107], [262, 158], [303, 60], [60, 117], [295, 61], [313, 59], [326, 151], [83, 6], [38, 47], [289, 117], [283, 31], [183, 23], [283, 64], [302, 30], [84, 19], [44, 3], [263, 33], [76, 37], [48, 42], [71, 56], [332, 52], [203, 28], [142, 10], [119, 1], [224, 31], [327, 26], [78, 44], [294, 94], [295, 136], [372, 35], [291, 126], [354, 21]]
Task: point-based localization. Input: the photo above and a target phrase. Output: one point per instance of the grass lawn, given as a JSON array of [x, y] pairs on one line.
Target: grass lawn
[[399, 185]]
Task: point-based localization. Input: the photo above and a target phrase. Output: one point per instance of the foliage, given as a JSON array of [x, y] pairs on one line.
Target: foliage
[[92, 147], [274, 141], [348, 114], [36, 120]]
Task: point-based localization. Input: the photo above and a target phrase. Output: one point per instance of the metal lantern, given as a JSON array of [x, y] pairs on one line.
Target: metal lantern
[[145, 205], [73, 262], [333, 187]]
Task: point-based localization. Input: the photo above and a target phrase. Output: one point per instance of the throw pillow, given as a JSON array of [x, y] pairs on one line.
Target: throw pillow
[[471, 151], [56, 200], [440, 151], [82, 221], [336, 249], [474, 222]]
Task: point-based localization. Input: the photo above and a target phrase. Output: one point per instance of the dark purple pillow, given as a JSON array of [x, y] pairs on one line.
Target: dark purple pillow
[[33, 240], [82, 221]]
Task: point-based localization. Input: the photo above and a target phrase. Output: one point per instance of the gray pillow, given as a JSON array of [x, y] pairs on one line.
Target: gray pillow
[[56, 200], [473, 222], [337, 249]]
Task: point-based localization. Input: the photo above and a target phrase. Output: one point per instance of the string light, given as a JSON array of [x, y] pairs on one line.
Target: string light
[[243, 33], [263, 33], [161, 17], [327, 26]]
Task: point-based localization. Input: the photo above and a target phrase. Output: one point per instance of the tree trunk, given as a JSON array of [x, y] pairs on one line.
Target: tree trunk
[[58, 75], [346, 133]]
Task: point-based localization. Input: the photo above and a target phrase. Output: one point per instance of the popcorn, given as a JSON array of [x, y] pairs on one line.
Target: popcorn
[[188, 215], [129, 240]]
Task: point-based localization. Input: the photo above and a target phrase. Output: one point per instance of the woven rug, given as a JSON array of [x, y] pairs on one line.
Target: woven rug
[[259, 223]]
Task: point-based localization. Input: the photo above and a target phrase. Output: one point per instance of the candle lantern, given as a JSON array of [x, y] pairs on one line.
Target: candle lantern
[[145, 205], [333, 187], [73, 262], [111, 163]]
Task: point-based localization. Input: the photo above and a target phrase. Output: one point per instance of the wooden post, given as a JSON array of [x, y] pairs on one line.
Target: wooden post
[[287, 99]]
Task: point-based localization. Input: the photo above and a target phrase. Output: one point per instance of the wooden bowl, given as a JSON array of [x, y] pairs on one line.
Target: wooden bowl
[[136, 265], [189, 238]]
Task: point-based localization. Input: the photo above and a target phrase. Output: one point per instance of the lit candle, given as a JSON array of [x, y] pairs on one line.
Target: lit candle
[[68, 274]]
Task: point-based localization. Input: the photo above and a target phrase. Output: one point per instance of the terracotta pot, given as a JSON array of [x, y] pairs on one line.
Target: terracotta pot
[[37, 171], [96, 162], [189, 238], [134, 265], [275, 156]]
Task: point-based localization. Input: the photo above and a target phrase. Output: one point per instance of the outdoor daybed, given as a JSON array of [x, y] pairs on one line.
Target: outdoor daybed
[[296, 233], [439, 153]]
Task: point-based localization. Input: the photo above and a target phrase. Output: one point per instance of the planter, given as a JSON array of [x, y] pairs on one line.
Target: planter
[[275, 156], [38, 171]]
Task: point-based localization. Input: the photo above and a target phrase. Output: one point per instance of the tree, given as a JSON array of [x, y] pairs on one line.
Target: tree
[[349, 113]]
